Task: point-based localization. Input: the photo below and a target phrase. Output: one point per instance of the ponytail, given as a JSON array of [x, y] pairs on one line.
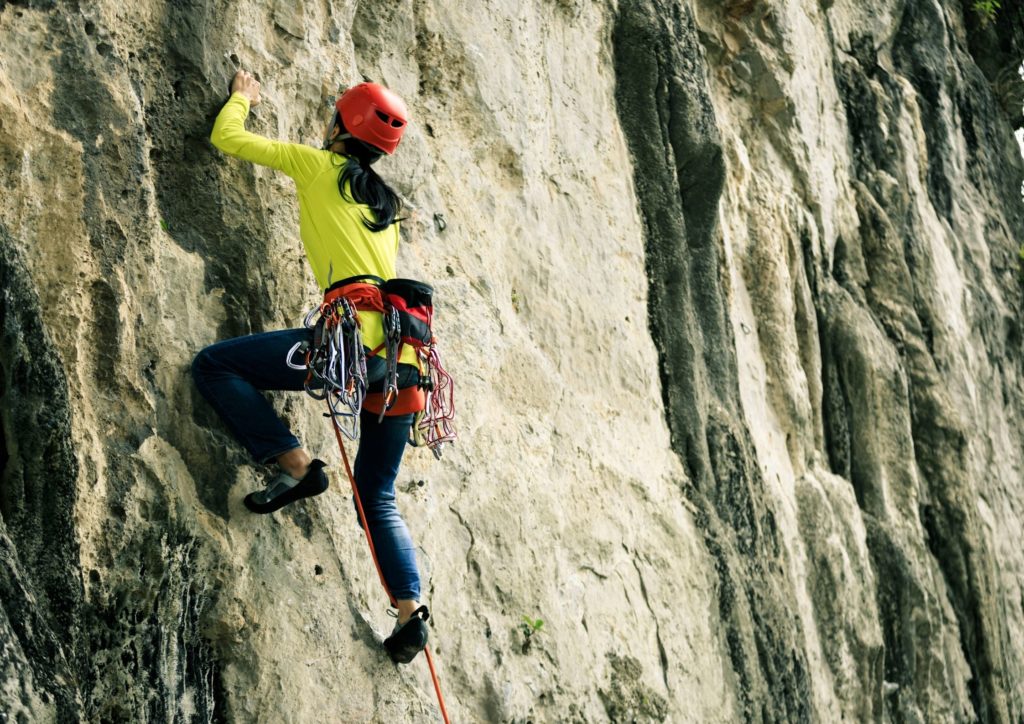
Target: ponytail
[[366, 187]]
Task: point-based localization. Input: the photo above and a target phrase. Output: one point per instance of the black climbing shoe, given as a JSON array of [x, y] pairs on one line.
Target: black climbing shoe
[[285, 489], [409, 638]]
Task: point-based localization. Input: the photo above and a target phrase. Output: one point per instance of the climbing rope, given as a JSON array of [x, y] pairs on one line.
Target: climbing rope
[[336, 372], [373, 554]]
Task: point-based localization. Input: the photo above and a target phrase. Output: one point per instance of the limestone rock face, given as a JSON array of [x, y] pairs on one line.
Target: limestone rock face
[[732, 294]]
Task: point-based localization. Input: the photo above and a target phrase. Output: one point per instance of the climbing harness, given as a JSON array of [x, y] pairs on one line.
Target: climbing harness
[[336, 359], [336, 364], [409, 321]]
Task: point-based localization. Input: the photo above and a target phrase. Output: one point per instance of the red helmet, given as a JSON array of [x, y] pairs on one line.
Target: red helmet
[[374, 115]]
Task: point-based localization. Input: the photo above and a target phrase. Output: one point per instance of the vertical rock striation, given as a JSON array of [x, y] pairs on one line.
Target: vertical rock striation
[[669, 122], [732, 292], [40, 575]]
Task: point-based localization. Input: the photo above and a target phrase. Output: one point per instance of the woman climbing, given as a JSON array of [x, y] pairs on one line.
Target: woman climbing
[[349, 228]]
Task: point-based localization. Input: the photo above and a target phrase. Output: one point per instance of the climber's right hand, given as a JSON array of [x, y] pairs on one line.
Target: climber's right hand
[[247, 85]]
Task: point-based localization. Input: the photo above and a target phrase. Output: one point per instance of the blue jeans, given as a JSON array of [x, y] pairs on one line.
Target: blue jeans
[[232, 373]]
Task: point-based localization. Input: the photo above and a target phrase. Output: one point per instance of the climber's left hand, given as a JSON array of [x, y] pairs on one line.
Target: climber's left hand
[[247, 85]]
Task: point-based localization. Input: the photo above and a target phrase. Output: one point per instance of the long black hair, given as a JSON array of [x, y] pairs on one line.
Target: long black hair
[[365, 186]]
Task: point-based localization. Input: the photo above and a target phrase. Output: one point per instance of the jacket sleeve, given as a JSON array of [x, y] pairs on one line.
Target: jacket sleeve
[[300, 162]]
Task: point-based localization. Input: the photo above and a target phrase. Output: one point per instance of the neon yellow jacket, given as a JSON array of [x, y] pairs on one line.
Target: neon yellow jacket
[[337, 243]]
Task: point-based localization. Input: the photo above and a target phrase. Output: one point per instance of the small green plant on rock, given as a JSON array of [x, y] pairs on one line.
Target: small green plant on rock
[[530, 628], [986, 10]]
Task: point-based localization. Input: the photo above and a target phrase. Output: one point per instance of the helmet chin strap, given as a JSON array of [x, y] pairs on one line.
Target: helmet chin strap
[[328, 141]]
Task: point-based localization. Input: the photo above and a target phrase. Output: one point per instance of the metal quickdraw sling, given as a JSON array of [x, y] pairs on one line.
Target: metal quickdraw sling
[[393, 345], [336, 362]]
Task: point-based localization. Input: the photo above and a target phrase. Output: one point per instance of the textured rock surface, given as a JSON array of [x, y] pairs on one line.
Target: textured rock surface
[[732, 295]]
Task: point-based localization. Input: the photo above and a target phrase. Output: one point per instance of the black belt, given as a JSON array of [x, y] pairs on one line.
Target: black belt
[[352, 280]]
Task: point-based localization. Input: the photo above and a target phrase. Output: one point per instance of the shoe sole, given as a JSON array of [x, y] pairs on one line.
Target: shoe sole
[[405, 652], [307, 488]]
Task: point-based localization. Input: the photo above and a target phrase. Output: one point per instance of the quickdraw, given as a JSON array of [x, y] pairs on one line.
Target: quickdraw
[[393, 345], [336, 362]]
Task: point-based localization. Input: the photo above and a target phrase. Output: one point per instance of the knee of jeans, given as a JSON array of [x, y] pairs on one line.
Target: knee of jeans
[[375, 510], [379, 506], [202, 363]]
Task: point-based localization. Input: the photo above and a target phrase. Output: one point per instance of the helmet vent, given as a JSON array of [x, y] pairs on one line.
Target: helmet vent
[[383, 116], [395, 123]]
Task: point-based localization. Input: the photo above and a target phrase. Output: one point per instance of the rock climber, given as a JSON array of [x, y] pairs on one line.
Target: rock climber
[[348, 222]]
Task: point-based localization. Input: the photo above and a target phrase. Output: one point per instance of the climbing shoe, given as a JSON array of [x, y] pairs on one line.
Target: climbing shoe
[[284, 489], [408, 638]]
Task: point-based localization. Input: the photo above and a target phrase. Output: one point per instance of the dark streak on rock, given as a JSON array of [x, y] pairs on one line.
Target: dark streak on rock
[[146, 626], [669, 123], [40, 578]]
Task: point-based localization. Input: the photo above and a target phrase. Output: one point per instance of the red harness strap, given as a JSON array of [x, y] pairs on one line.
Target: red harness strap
[[364, 297], [410, 399]]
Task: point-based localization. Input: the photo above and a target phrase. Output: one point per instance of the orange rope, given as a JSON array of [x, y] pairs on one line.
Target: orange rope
[[362, 514], [373, 554], [437, 686]]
